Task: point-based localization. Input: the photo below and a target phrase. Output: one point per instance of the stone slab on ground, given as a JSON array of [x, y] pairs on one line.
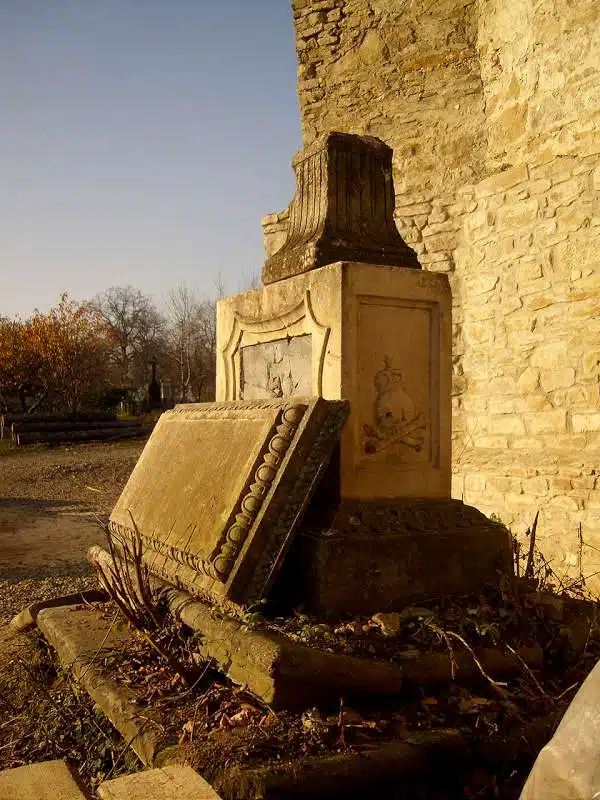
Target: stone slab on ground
[[220, 488], [49, 780], [80, 635], [168, 783], [283, 673], [292, 675]]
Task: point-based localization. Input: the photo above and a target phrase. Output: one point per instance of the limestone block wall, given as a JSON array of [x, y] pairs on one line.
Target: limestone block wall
[[493, 111], [411, 78], [527, 416]]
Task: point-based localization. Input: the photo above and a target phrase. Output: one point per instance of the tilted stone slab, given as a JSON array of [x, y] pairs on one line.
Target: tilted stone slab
[[82, 636], [220, 488]]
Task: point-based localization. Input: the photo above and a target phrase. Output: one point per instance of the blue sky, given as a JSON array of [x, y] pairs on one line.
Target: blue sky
[[141, 142]]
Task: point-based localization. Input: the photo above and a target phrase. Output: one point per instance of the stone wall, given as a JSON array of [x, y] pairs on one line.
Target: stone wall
[[527, 401], [493, 111]]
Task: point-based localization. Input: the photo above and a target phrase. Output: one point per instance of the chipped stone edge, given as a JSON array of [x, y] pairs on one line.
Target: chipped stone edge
[[117, 702], [27, 617]]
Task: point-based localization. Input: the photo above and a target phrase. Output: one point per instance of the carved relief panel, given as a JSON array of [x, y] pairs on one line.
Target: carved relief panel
[[282, 368], [282, 356], [398, 382]]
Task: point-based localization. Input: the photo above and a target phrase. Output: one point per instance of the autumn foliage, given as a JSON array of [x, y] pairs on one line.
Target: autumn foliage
[[55, 359], [84, 355]]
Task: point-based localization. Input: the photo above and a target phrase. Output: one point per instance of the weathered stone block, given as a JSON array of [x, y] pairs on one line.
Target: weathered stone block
[[528, 271], [557, 378], [518, 214], [275, 228], [167, 783], [550, 356], [547, 422], [48, 780], [502, 181], [379, 337], [582, 423], [507, 424], [442, 241], [396, 554], [502, 405]]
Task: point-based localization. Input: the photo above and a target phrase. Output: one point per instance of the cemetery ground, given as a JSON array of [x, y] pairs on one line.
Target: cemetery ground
[[486, 677]]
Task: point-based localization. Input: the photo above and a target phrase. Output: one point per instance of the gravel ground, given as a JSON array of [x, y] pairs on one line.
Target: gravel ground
[[84, 477], [50, 504]]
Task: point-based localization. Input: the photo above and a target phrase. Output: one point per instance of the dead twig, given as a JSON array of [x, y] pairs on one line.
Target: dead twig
[[341, 736], [589, 633], [143, 583], [497, 687], [529, 567], [527, 670], [567, 690], [443, 635]]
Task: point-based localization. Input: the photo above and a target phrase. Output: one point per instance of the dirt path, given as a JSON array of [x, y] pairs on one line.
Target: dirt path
[[52, 505]]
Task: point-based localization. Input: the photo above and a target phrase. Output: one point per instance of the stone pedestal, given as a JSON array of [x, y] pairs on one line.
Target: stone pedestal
[[382, 530], [376, 336], [361, 558]]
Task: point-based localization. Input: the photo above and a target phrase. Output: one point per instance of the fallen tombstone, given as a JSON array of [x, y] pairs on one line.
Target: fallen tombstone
[[238, 479]]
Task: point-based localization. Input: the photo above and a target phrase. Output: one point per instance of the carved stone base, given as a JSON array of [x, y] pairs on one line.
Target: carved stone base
[[371, 557]]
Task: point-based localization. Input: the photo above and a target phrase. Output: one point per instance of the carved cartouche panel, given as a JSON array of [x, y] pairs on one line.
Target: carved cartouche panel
[[282, 368], [293, 337], [398, 384]]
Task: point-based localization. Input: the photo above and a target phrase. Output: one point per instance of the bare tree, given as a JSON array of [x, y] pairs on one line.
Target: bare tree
[[191, 338], [136, 330]]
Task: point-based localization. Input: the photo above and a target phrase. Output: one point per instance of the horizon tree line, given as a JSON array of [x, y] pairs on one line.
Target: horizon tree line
[[95, 353]]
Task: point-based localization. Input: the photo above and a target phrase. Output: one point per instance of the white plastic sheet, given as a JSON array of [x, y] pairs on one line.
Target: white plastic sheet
[[568, 767]]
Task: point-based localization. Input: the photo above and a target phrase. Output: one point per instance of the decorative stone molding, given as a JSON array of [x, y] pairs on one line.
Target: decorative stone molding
[[220, 488], [296, 321], [343, 209], [224, 558]]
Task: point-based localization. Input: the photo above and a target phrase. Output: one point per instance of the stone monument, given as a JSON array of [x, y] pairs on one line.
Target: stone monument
[[346, 313], [322, 473], [219, 489]]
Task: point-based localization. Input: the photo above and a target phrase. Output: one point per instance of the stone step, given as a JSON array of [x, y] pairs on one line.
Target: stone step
[[168, 783], [49, 780]]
